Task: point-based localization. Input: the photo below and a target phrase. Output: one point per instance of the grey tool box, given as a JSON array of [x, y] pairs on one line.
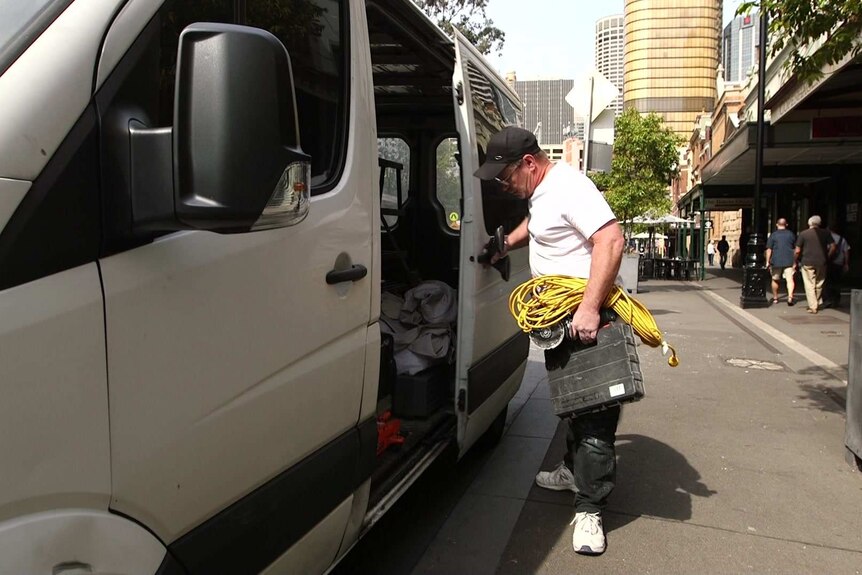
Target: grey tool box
[[586, 378]]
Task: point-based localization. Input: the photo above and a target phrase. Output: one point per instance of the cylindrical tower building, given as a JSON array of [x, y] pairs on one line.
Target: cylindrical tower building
[[609, 54], [671, 58]]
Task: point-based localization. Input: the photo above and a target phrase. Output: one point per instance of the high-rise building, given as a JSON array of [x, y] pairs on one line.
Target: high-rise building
[[609, 54], [738, 48], [671, 58], [546, 111]]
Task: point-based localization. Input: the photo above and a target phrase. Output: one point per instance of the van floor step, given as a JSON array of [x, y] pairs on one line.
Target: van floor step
[[420, 436]]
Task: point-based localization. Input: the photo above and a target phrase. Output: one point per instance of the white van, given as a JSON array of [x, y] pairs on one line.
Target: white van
[[196, 235]]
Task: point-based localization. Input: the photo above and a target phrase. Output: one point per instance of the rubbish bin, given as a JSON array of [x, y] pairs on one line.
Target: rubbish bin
[[853, 425]]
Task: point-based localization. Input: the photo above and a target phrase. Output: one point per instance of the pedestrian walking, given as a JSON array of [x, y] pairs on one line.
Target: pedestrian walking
[[710, 253], [835, 270], [723, 248], [814, 249], [780, 256], [570, 231]]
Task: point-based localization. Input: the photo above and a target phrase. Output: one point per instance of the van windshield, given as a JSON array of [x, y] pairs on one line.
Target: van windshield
[[22, 22]]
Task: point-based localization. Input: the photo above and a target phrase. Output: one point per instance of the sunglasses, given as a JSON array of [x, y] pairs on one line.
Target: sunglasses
[[504, 182]]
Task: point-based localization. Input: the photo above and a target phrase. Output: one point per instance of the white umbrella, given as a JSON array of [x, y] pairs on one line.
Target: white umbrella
[[665, 219], [646, 236]]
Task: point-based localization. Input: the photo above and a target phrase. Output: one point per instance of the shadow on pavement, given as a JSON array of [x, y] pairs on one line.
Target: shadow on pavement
[[653, 479], [656, 312], [823, 396]]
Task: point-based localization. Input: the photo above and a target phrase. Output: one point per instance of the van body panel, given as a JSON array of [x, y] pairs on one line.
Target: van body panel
[[502, 392], [55, 451], [45, 91], [11, 194], [107, 543], [133, 17], [203, 415], [484, 321], [316, 551], [214, 389], [362, 143], [368, 407], [255, 531]]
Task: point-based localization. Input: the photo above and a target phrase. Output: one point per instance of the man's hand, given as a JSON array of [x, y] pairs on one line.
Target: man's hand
[[492, 252], [503, 252], [585, 325]]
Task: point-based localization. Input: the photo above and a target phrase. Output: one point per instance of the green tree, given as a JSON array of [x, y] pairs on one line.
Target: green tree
[[644, 161], [798, 24], [469, 17]]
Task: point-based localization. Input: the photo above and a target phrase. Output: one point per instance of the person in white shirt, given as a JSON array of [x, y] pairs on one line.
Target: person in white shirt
[[570, 231]]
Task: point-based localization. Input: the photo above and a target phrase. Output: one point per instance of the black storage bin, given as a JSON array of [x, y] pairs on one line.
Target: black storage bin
[[420, 395], [591, 378]]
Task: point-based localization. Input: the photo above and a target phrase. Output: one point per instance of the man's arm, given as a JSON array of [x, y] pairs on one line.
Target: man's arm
[[608, 243], [768, 256], [519, 238]]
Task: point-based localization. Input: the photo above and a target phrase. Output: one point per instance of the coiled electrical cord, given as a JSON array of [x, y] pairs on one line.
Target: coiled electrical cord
[[545, 300]]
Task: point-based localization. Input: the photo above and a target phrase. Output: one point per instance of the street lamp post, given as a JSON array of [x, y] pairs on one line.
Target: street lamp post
[[754, 274]]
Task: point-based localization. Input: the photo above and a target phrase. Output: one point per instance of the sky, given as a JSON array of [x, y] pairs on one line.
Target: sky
[[554, 39]]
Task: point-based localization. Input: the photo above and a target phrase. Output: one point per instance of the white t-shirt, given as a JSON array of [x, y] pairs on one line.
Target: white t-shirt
[[566, 209]]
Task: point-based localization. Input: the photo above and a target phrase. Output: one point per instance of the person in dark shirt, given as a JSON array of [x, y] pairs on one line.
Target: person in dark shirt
[[835, 270], [814, 249], [780, 256], [723, 248]]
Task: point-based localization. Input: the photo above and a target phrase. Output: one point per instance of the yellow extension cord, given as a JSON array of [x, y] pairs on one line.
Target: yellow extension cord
[[545, 300]]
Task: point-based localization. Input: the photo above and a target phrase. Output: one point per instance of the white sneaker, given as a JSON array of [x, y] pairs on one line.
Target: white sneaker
[[560, 479], [588, 537]]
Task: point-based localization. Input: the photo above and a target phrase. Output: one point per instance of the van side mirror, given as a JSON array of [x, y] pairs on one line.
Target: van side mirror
[[232, 161]]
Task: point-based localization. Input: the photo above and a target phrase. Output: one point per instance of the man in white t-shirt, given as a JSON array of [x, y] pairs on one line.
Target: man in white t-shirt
[[570, 231]]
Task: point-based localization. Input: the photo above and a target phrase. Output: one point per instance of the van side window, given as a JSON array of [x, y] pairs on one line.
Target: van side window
[[314, 33], [492, 111], [448, 180], [398, 151]]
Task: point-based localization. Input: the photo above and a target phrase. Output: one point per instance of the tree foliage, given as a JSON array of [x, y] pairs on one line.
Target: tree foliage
[[469, 17], [799, 23], [644, 161]]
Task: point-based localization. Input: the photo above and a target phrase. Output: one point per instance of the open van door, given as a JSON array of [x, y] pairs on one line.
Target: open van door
[[492, 350]]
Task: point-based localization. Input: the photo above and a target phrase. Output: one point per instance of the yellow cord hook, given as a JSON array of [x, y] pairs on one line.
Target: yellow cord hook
[[545, 300]]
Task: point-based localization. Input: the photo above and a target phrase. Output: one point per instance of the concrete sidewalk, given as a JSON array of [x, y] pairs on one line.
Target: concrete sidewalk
[[734, 461]]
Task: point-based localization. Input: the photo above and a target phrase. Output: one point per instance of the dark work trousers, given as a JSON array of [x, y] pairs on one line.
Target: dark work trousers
[[590, 453]]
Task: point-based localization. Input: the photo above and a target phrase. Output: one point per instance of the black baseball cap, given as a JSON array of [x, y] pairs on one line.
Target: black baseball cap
[[506, 146]]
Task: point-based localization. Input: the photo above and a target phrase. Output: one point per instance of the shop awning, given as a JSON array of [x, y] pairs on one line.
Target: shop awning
[[790, 156]]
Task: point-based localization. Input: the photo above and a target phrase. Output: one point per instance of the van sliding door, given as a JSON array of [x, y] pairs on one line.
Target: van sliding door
[[492, 351]]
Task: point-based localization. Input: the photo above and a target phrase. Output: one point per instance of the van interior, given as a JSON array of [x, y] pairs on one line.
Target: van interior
[[421, 205], [420, 187]]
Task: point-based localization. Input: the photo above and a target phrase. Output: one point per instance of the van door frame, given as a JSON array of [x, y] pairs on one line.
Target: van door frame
[[492, 351]]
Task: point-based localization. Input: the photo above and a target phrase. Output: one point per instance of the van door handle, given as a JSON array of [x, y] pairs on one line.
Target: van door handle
[[353, 273]]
